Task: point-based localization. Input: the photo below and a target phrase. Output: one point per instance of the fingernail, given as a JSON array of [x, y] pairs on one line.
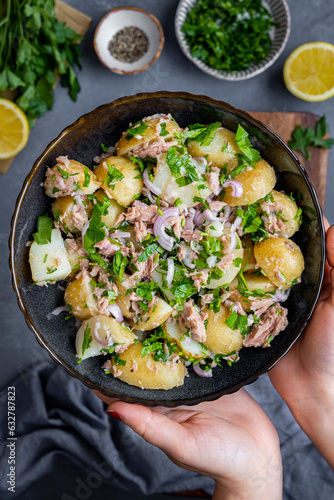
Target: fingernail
[[114, 414]]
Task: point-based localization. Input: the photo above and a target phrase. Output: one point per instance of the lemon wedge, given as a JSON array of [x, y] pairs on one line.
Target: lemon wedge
[[309, 71], [14, 129]]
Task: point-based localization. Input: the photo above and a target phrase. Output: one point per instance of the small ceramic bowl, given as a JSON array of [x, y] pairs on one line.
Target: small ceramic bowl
[[81, 141], [122, 17], [279, 36]]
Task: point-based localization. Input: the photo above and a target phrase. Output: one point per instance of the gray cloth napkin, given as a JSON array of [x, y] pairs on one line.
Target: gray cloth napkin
[[59, 421]]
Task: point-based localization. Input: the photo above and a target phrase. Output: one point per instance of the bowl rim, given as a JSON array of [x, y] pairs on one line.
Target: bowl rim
[[125, 100], [159, 49], [232, 77]]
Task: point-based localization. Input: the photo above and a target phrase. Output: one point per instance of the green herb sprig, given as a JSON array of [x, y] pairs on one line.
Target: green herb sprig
[[305, 139]]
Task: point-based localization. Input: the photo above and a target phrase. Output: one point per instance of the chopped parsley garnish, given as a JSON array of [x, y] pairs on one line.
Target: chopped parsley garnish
[[44, 229], [203, 134], [87, 178], [149, 251], [177, 159], [183, 288], [137, 128], [118, 360], [65, 175], [111, 294], [146, 290], [245, 146], [45, 258], [141, 165], [113, 176], [103, 148], [86, 341], [238, 322], [163, 132], [119, 264], [155, 343]]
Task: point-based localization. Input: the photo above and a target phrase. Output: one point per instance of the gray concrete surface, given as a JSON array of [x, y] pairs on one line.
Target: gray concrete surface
[[311, 21]]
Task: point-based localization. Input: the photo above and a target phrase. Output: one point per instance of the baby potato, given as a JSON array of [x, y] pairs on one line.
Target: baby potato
[[221, 151], [285, 210], [147, 373], [190, 348], [171, 191], [122, 191], [220, 339], [79, 295], [256, 183], [58, 183], [105, 328], [254, 282], [152, 133], [49, 262], [64, 211], [159, 315], [281, 259], [113, 211]]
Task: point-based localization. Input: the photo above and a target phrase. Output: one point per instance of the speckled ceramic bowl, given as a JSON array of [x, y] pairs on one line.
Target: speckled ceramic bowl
[[81, 141], [122, 17], [279, 36]]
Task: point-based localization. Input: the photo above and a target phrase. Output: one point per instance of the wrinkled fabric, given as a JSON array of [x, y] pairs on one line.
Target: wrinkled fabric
[[58, 418], [60, 421]]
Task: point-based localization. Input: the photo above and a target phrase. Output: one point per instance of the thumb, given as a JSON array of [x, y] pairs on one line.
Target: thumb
[[154, 427]]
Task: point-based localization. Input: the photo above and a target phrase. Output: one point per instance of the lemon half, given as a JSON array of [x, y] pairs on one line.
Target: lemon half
[[14, 129], [309, 71]]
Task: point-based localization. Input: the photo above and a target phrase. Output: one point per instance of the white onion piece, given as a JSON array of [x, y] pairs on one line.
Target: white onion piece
[[115, 310], [210, 215], [59, 310], [97, 337], [159, 225], [146, 179], [202, 373], [170, 272], [233, 242], [250, 320], [281, 295], [237, 189], [227, 211], [189, 225], [236, 224], [211, 261], [119, 234]]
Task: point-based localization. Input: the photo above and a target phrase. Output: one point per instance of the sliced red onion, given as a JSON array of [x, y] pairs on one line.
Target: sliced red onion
[[146, 192], [202, 373], [236, 224], [233, 242], [199, 218], [281, 295], [170, 272], [77, 323], [159, 225], [189, 225], [84, 230], [210, 215], [115, 310], [59, 310], [216, 193], [146, 179], [237, 189], [97, 337]]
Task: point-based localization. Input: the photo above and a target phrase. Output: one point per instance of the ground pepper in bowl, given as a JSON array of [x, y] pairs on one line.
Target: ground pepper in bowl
[[129, 44]]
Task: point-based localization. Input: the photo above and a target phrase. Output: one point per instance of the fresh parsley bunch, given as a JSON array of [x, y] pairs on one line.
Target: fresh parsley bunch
[[33, 47], [305, 139]]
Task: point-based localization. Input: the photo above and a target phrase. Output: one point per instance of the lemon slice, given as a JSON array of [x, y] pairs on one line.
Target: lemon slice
[[14, 129], [309, 71]]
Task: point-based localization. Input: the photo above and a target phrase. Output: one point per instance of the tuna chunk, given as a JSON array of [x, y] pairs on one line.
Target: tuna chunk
[[194, 320], [272, 322], [153, 149], [213, 179]]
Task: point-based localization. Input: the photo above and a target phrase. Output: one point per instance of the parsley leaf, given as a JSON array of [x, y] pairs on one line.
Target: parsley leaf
[[149, 251], [203, 134], [183, 288], [119, 264], [238, 322], [155, 343], [87, 339], [305, 139], [137, 128], [163, 132], [44, 228], [113, 176], [87, 178], [245, 145]]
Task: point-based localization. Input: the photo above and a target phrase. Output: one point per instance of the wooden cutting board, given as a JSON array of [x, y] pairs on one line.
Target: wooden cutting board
[[283, 124]]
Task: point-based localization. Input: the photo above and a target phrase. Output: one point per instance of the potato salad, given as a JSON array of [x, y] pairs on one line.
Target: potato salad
[[176, 250]]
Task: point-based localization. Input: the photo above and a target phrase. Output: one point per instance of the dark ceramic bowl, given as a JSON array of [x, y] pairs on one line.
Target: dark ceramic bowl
[[81, 141]]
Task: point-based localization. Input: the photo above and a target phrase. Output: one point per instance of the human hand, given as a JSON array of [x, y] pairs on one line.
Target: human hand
[[231, 440], [305, 376]]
